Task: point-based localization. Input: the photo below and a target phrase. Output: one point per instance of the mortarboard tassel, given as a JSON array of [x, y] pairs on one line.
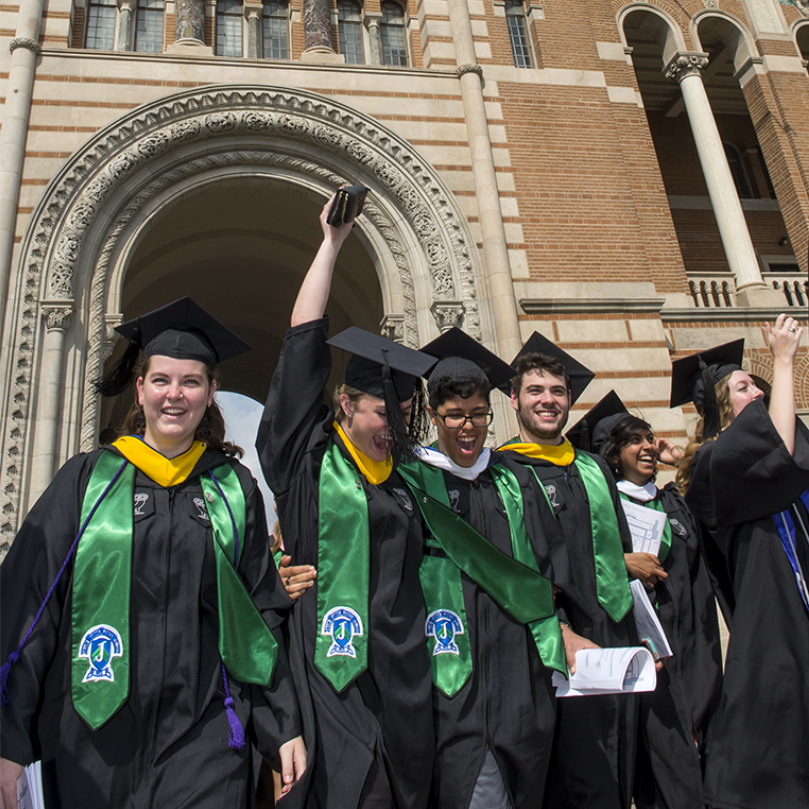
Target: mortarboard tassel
[[711, 422]]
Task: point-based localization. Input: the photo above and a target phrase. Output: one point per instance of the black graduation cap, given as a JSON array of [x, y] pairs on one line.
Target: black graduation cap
[[693, 379], [465, 359], [578, 376], [182, 330], [590, 431], [388, 371]]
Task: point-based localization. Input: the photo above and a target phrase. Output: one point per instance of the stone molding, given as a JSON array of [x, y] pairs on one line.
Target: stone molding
[[448, 314], [579, 306], [107, 182], [57, 318], [461, 70], [392, 327], [25, 42], [686, 64]]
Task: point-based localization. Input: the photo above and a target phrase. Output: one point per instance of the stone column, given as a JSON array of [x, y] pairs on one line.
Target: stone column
[[56, 319], [372, 20], [190, 21], [687, 69], [126, 12], [495, 249], [16, 110], [252, 13], [317, 26]]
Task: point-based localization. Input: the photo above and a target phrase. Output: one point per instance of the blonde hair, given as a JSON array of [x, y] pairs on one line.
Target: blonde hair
[[722, 389], [354, 396]]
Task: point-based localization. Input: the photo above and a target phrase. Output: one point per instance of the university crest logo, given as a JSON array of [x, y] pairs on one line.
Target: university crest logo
[[342, 624], [444, 625], [99, 645]]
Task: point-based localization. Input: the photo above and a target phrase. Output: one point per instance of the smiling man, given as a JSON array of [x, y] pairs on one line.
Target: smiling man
[[595, 736]]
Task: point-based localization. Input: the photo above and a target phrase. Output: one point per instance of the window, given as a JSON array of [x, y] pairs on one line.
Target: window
[[275, 30], [101, 25], [517, 32], [737, 171], [349, 30], [392, 33], [149, 26], [228, 28]]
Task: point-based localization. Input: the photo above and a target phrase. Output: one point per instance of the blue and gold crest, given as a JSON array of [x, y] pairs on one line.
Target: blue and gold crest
[[342, 624], [444, 625], [99, 645]]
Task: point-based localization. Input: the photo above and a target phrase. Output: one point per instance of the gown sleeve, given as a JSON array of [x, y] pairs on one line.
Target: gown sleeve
[[295, 408], [747, 473], [27, 573], [275, 715]]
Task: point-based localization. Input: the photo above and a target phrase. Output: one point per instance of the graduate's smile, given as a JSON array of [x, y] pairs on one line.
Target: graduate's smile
[[639, 458], [462, 445], [542, 407]]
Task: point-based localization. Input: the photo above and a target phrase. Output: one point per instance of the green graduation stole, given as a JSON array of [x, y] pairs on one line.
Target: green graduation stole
[[665, 540], [514, 583], [612, 583], [100, 666], [343, 567]]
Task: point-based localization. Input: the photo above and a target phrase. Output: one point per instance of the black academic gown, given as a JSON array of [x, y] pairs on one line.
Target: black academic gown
[[167, 746], [508, 704], [674, 717], [594, 753], [758, 742], [381, 724]]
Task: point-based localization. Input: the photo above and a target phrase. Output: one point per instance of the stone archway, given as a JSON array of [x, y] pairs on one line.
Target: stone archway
[[67, 292]]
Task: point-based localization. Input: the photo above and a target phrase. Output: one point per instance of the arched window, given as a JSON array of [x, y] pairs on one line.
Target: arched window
[[228, 28], [149, 26], [737, 171], [518, 33], [392, 32], [100, 34], [349, 30], [275, 30]]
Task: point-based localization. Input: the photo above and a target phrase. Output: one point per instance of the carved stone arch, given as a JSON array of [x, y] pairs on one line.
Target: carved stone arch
[[660, 25], [74, 233], [730, 30]]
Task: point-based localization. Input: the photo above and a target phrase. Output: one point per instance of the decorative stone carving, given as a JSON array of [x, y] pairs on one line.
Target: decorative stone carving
[[392, 327], [25, 42], [57, 318], [685, 64], [156, 146], [190, 20], [447, 314], [462, 69]]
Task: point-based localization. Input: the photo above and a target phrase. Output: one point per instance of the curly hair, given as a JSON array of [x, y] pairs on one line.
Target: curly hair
[[448, 387], [212, 434], [538, 362], [722, 389]]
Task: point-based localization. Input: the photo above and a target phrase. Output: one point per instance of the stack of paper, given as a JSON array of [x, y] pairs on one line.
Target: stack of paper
[[622, 670]]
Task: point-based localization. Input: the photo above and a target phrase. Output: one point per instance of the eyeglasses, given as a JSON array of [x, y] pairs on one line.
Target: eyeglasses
[[454, 422]]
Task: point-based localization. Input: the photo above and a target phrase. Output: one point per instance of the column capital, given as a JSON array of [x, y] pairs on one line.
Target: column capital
[[447, 314], [252, 11], [463, 69], [25, 42], [372, 18], [392, 327], [57, 316], [685, 64]]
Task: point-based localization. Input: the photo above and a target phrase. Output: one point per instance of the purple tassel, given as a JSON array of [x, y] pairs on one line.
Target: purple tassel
[[236, 734], [5, 670]]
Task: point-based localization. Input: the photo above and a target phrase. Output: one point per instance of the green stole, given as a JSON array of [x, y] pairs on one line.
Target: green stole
[[514, 583], [612, 583], [101, 590], [665, 540]]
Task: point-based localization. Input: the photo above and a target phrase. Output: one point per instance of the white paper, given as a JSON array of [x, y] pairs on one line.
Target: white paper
[[646, 526], [650, 629], [29, 787], [622, 670]]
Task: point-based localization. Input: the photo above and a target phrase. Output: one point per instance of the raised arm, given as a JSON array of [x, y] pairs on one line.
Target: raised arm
[[314, 292], [784, 338]]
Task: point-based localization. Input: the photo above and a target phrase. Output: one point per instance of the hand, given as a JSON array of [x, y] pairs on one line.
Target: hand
[[784, 337], [331, 234], [10, 771], [646, 567], [293, 763], [667, 452], [573, 643], [297, 579]]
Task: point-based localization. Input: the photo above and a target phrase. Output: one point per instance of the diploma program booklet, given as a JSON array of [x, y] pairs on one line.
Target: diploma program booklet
[[29, 787], [650, 630], [622, 670], [646, 526]]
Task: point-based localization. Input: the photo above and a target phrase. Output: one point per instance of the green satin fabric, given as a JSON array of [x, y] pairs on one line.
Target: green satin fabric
[[102, 573], [343, 566], [246, 644], [612, 582]]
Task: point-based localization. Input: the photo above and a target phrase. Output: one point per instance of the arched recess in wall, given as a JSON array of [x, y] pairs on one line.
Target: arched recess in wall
[[73, 260], [801, 32]]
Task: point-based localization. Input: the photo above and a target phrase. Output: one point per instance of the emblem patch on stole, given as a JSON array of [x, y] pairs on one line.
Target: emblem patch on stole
[[141, 498], [341, 624], [404, 497], [444, 625], [551, 490], [678, 528], [99, 645], [202, 512], [454, 500]]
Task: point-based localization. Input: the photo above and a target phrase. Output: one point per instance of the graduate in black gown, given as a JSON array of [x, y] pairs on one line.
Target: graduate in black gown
[[594, 753], [746, 476], [674, 718], [494, 704], [133, 686], [357, 637]]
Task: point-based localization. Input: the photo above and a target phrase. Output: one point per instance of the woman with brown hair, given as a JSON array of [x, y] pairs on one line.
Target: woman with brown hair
[[746, 477]]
